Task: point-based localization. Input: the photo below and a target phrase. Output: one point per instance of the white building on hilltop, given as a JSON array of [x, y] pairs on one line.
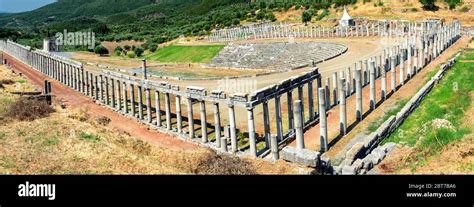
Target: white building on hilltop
[[346, 20]]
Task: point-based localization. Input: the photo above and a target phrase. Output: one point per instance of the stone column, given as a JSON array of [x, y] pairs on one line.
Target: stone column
[[158, 109], [348, 82], [145, 75], [300, 97], [148, 105], [289, 96], [96, 87], [334, 88], [202, 105], [106, 90], [252, 138], [83, 83], [266, 123], [217, 124], [365, 73], [319, 84], [140, 102], [327, 94], [279, 124], [190, 118], [233, 131], [342, 108], [415, 61], [179, 119], [384, 83], [274, 148], [402, 66], [125, 98], [168, 111], [299, 125], [88, 91], [393, 74], [323, 133], [358, 78], [409, 69], [132, 100], [112, 89], [310, 100], [372, 85], [119, 98]]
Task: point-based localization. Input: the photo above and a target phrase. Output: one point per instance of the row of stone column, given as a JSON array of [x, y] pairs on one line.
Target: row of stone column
[[285, 31]]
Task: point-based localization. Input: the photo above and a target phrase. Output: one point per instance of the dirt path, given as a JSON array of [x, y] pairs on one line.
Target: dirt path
[[411, 87], [75, 99]]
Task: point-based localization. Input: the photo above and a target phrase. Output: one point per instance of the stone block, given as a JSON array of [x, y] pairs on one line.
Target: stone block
[[301, 156], [241, 97], [348, 170], [355, 151], [358, 164], [218, 94], [370, 140], [389, 147], [196, 90]]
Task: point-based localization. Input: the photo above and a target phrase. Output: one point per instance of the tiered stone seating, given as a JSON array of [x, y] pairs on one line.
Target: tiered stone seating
[[280, 56]]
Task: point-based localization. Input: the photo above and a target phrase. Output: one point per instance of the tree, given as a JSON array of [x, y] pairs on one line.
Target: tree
[[429, 4], [153, 47], [118, 50], [270, 16], [260, 15], [127, 47], [101, 50], [306, 16], [452, 3], [138, 51]]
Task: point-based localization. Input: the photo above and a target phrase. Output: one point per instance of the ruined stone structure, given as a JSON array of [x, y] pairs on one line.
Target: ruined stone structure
[[388, 28], [276, 56], [124, 94]]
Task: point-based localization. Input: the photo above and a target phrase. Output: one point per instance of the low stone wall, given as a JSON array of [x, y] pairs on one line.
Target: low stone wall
[[365, 153]]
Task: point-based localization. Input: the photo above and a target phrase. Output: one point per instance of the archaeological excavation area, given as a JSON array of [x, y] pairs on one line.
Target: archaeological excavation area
[[318, 94]]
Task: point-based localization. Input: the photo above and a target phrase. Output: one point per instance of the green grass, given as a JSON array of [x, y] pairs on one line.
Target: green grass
[[467, 56], [5, 102], [448, 100], [391, 112], [89, 137], [185, 54]]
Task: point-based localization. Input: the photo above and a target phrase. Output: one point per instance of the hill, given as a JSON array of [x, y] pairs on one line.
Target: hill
[[159, 21]]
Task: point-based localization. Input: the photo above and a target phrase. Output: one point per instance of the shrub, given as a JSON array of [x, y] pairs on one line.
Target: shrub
[[429, 5], [138, 51], [306, 16], [127, 47], [103, 120], [222, 164], [131, 54], [452, 3], [118, 50], [153, 47], [101, 50], [5, 82], [464, 9], [28, 110]]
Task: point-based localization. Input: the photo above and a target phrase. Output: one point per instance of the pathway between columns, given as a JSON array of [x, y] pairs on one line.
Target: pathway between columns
[[311, 136]]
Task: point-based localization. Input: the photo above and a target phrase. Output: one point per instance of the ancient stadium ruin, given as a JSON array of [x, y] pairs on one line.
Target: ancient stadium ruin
[[307, 97]]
